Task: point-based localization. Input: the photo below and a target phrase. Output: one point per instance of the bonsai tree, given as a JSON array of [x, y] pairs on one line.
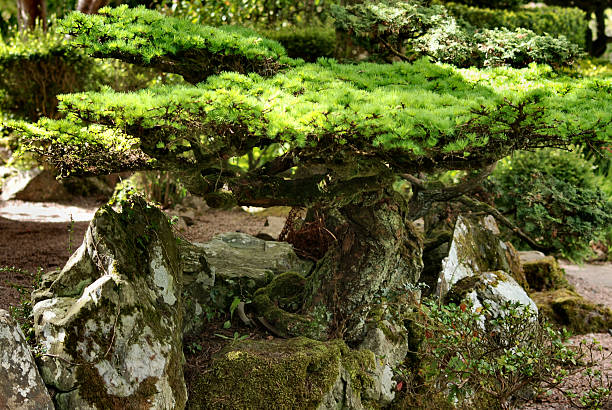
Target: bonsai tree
[[348, 132]]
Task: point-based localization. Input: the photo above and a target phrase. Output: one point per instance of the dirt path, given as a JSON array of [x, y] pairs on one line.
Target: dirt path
[[593, 281]]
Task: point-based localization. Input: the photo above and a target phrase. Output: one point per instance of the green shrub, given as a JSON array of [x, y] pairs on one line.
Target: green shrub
[[388, 26], [553, 196], [36, 67], [307, 43], [254, 13], [555, 21], [491, 48], [475, 359]]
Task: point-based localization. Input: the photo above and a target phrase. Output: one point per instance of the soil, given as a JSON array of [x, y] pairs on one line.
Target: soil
[[36, 236]]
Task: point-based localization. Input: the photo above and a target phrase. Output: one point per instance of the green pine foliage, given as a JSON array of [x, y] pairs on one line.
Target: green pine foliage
[[555, 21], [394, 28], [357, 125], [148, 38], [409, 112]]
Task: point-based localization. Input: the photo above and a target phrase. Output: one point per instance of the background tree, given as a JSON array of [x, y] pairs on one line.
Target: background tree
[[30, 11]]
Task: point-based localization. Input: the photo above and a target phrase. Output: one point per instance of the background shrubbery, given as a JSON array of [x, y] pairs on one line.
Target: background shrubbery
[[555, 21], [554, 196]]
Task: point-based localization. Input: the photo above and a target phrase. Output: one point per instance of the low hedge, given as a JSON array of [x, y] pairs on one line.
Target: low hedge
[[305, 43], [35, 68]]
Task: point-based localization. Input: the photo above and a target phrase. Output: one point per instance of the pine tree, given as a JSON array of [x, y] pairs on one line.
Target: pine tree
[[348, 133]]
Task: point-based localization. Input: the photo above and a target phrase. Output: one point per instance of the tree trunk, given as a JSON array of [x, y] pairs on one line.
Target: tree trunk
[[375, 250], [28, 11], [90, 6], [598, 47]]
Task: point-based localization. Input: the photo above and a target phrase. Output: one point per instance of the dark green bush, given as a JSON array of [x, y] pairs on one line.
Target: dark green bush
[[494, 4], [554, 197], [305, 43], [555, 21], [35, 68], [392, 27]]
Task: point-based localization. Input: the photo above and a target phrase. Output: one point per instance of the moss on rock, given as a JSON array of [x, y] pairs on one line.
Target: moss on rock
[[545, 274], [283, 296], [287, 374], [568, 309]]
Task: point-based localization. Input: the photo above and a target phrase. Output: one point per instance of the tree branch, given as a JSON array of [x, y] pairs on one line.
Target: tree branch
[[475, 204]]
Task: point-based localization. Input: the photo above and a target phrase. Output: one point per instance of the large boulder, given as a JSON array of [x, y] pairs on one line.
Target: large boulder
[[557, 299], [297, 373], [482, 268], [476, 248], [21, 386], [231, 264], [110, 323], [242, 263], [31, 185]]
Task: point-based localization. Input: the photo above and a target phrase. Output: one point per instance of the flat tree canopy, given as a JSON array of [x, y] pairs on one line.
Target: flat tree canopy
[[351, 121]]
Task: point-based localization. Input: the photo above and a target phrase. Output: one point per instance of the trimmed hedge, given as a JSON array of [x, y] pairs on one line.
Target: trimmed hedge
[[495, 4], [35, 68], [305, 43], [556, 21]]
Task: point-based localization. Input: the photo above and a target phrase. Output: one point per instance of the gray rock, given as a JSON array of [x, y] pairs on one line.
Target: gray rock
[[112, 318], [242, 263], [21, 387], [198, 280], [389, 354], [32, 185], [475, 248]]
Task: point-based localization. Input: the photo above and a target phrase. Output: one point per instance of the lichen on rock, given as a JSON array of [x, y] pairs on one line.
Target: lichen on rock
[[21, 387], [495, 289], [476, 248], [111, 327]]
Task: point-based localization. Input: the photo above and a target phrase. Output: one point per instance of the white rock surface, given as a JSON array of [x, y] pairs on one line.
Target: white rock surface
[[111, 320], [21, 387]]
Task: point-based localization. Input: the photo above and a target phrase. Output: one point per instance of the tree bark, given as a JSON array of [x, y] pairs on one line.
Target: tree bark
[[90, 6], [28, 11], [375, 250], [598, 47]]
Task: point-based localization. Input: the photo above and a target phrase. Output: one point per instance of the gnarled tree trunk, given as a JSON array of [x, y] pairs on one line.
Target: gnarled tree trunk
[[375, 250]]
